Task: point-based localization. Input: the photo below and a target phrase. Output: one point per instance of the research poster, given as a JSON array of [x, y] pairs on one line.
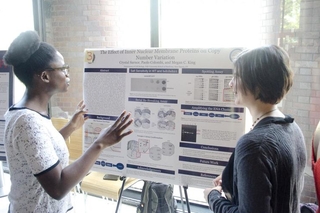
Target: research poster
[[6, 98], [185, 122]]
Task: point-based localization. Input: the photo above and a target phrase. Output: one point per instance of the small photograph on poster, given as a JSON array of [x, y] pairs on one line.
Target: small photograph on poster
[[189, 133]]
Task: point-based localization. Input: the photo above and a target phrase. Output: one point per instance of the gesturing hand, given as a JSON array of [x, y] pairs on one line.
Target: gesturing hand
[[78, 118], [217, 181], [113, 134]]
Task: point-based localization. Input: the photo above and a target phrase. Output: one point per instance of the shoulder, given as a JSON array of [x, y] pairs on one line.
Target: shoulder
[[272, 140], [25, 123], [248, 149], [255, 152], [252, 140], [23, 116], [257, 143]]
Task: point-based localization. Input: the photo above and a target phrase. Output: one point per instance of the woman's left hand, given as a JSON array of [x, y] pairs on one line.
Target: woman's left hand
[[207, 191], [78, 118]]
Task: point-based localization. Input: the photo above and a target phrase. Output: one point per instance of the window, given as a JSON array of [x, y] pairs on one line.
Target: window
[[13, 23], [210, 23], [134, 24]]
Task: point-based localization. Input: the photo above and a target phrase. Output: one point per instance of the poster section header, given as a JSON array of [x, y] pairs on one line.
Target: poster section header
[[217, 60]]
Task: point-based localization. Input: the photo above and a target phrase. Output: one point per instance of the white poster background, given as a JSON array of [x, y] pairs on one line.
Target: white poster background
[[6, 97], [185, 122]]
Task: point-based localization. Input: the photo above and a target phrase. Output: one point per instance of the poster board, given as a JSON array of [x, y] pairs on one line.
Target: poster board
[[6, 98], [185, 121]]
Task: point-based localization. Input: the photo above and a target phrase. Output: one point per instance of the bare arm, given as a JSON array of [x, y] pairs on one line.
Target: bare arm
[[58, 182]]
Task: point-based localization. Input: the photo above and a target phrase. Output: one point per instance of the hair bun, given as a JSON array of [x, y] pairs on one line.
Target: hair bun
[[22, 48]]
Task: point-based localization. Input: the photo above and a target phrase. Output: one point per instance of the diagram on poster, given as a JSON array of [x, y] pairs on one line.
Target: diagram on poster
[[185, 121], [136, 148]]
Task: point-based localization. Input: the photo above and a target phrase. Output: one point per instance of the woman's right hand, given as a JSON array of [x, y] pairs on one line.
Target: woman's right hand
[[217, 181], [113, 134]]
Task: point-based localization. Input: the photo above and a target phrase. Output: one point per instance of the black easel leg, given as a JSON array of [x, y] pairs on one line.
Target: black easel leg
[[187, 199], [120, 195]]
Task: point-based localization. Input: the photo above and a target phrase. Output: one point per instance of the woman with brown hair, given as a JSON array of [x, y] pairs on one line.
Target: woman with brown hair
[[266, 171]]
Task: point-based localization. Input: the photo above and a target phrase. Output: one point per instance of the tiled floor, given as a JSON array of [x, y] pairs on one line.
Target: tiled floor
[[98, 205], [92, 204], [81, 203]]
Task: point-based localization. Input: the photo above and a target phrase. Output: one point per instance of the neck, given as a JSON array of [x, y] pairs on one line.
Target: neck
[[35, 101], [261, 110], [258, 109]]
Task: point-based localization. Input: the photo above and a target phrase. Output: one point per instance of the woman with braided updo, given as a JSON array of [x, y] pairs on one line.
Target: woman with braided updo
[[36, 152]]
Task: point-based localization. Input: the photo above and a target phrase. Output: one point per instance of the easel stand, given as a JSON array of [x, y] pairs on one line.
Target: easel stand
[[123, 179], [186, 197]]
